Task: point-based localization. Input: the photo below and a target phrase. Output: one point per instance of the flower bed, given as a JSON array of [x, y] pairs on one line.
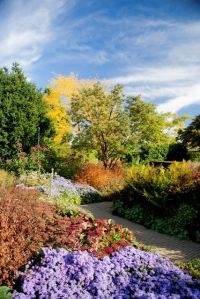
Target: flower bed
[[28, 224], [60, 187], [128, 273]]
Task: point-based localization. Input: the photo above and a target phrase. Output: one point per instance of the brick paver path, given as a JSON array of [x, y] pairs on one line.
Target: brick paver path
[[170, 247]]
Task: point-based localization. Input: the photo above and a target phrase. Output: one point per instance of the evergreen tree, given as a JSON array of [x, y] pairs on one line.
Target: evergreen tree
[[22, 113]]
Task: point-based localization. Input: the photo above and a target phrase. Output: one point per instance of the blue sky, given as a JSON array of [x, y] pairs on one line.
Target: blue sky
[[152, 47]]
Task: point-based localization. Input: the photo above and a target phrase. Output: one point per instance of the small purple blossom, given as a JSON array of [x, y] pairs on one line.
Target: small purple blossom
[[60, 185], [128, 273]]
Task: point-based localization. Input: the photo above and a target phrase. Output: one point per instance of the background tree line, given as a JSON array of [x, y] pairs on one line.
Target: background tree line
[[74, 120]]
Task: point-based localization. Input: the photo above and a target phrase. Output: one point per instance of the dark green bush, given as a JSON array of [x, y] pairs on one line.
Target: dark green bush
[[177, 152], [185, 216], [139, 215], [164, 152]]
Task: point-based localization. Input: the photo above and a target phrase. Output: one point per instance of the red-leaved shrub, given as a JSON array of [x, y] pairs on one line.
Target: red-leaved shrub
[[22, 229]]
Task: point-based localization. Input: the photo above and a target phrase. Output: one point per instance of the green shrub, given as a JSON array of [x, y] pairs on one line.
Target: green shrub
[[185, 216], [165, 225], [35, 178], [154, 152], [70, 198], [164, 199], [72, 210], [164, 152], [137, 213], [5, 292], [194, 155], [198, 236], [24, 162], [157, 186], [67, 166], [148, 184], [193, 267]]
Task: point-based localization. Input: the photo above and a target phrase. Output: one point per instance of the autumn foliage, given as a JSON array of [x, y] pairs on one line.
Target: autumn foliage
[[22, 227], [105, 180], [27, 225]]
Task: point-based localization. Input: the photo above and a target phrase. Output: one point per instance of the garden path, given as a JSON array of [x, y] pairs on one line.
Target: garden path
[[168, 246]]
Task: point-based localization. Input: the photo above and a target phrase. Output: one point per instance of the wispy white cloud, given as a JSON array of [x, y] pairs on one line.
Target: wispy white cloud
[[157, 75], [179, 86], [176, 104], [162, 62], [26, 28]]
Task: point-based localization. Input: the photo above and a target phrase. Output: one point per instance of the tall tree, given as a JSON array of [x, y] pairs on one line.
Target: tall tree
[[58, 98], [148, 126], [101, 122], [59, 116], [22, 112], [190, 136]]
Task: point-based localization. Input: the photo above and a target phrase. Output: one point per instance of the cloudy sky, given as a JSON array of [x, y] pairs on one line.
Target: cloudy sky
[[152, 47]]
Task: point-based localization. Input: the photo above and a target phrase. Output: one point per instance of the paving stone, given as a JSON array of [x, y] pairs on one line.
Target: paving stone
[[168, 246]]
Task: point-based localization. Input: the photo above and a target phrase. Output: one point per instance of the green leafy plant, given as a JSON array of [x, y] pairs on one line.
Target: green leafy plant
[[153, 152], [35, 178], [185, 216], [69, 198], [5, 292], [192, 266]]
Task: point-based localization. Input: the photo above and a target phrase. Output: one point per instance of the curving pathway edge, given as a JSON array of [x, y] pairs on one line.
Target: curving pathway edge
[[168, 246]]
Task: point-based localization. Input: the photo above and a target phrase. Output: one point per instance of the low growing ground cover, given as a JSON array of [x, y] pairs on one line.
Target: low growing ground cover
[[128, 273]]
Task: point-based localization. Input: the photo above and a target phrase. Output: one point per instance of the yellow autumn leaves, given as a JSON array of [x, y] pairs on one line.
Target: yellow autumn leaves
[[58, 98]]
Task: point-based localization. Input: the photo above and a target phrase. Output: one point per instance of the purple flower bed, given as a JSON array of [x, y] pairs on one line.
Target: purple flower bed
[[128, 273], [62, 185]]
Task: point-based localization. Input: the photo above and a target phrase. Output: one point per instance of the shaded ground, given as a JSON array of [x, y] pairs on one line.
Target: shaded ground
[[170, 247]]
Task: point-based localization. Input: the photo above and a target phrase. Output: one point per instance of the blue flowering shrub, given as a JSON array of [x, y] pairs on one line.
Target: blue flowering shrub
[[128, 273], [67, 190]]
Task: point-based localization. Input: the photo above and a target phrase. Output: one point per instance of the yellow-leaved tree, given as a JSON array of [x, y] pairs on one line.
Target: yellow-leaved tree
[[58, 96]]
